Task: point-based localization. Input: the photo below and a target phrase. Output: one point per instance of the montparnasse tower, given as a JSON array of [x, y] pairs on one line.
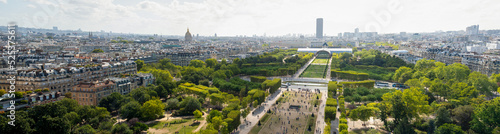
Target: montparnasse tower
[[188, 36]]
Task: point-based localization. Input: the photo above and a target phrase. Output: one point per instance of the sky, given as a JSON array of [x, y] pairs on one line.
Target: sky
[[252, 17]]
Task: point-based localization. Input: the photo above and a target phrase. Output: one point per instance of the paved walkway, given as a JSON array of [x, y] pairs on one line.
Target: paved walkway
[[202, 123], [335, 123], [258, 112], [297, 74], [328, 71], [320, 120]]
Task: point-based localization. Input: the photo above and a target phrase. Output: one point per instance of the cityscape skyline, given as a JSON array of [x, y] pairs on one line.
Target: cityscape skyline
[[249, 18]]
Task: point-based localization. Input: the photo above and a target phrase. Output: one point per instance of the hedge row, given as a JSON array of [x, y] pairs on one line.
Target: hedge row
[[350, 75], [393, 69], [342, 105], [331, 102], [200, 90], [261, 64], [332, 89], [272, 85], [355, 84], [258, 79], [343, 127], [330, 113]]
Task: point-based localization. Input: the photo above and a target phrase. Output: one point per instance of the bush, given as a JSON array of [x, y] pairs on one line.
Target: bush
[[342, 121], [355, 84], [332, 88], [331, 102], [330, 113], [343, 127], [350, 75], [258, 79], [172, 104]]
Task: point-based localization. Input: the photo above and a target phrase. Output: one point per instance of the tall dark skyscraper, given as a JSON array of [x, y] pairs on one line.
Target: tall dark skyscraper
[[319, 28]]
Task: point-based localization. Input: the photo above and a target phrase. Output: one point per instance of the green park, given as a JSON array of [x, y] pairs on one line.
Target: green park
[[214, 97]]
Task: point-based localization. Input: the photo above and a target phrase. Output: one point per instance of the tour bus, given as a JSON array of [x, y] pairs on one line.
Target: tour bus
[[382, 84]]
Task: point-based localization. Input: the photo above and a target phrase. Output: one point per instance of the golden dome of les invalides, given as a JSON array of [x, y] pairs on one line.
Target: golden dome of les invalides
[[188, 36]]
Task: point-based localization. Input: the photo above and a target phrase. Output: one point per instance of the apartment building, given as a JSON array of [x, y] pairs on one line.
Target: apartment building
[[62, 79], [89, 93]]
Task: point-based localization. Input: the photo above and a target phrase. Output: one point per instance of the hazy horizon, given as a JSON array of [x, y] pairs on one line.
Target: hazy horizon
[[256, 17]]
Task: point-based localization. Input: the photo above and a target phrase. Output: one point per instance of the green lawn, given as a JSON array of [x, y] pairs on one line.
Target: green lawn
[[257, 128], [311, 122], [314, 71], [365, 131], [178, 125], [321, 61]]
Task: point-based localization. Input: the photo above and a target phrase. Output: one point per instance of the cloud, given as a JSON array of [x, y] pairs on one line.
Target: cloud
[[248, 17], [31, 6], [4, 1]]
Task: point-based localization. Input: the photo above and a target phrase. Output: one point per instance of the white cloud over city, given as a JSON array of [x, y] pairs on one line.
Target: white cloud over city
[[249, 17]]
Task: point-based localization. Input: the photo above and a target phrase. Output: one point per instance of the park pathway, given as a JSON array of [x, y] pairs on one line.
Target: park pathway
[[256, 113], [335, 123], [297, 74], [202, 123], [328, 71], [321, 116]]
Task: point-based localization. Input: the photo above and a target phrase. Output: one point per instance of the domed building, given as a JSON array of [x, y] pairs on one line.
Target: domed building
[[188, 36]]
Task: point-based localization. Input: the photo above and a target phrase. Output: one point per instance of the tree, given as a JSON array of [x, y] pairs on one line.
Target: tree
[[86, 129], [463, 91], [211, 62], [152, 109], [486, 116], [197, 63], [172, 104], [234, 115], [97, 51], [216, 122], [197, 114], [131, 110], [53, 124], [121, 128], [23, 125], [363, 113], [414, 101], [212, 114], [481, 83], [414, 83], [443, 116], [449, 129], [255, 103], [238, 62], [111, 102], [138, 127], [140, 64], [464, 115], [189, 105], [402, 74], [73, 119], [404, 127], [141, 94], [405, 106], [439, 88]]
